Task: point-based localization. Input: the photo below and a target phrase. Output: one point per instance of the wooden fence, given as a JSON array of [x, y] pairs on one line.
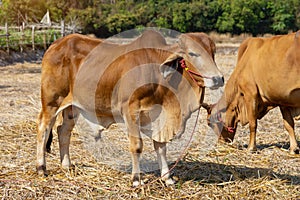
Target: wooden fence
[[31, 36]]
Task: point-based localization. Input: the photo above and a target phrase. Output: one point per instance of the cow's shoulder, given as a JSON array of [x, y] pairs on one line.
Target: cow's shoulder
[[253, 44], [149, 39], [293, 51]]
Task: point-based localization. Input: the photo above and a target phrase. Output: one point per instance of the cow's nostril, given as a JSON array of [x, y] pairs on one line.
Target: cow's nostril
[[218, 81]]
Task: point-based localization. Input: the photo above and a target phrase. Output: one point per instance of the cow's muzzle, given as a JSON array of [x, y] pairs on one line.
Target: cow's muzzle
[[214, 82], [218, 81]]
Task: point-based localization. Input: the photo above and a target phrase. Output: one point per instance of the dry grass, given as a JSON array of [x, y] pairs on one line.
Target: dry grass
[[227, 172]]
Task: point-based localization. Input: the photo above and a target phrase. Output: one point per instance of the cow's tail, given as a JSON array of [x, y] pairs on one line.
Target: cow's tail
[[67, 102], [49, 141]]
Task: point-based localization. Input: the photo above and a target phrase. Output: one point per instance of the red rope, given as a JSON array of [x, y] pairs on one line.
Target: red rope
[[191, 72], [220, 120]]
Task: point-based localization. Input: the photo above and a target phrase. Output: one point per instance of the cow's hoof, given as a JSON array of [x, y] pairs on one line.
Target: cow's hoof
[[294, 151], [169, 182], [252, 149], [41, 171], [137, 183], [66, 164], [68, 168]]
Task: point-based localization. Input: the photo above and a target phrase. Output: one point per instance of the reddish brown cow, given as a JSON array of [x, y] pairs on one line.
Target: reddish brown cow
[[140, 83], [267, 75]]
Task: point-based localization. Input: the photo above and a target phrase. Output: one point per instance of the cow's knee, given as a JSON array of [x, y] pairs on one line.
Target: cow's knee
[[136, 145]]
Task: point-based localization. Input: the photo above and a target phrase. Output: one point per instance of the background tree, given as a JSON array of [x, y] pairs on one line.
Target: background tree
[[108, 17], [284, 15]]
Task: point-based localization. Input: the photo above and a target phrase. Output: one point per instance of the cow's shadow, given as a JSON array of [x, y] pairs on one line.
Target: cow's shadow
[[214, 173], [281, 145], [205, 172]]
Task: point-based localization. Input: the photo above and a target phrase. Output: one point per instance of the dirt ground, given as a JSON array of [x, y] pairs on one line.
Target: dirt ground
[[226, 172]]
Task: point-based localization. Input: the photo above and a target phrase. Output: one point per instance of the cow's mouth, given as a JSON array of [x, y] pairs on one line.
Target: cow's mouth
[[214, 82], [211, 83]]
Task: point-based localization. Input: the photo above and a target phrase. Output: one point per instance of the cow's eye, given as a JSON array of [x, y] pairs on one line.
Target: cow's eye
[[193, 54]]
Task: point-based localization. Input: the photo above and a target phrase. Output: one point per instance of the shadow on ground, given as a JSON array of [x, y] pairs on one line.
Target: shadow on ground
[[213, 173]]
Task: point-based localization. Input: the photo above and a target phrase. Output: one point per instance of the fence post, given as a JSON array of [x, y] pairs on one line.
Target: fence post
[[22, 36], [45, 40], [32, 37], [62, 28], [7, 37]]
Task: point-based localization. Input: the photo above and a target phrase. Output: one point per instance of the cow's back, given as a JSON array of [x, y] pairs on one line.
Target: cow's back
[[272, 65], [61, 63], [108, 62], [68, 49]]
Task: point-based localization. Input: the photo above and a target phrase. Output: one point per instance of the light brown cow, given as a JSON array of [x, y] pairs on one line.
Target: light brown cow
[[138, 83], [267, 75]]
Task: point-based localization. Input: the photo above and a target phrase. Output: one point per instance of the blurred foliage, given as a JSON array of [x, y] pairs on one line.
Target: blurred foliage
[[108, 17]]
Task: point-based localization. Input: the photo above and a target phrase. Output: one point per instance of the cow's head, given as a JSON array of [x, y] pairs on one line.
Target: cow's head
[[195, 55], [224, 116]]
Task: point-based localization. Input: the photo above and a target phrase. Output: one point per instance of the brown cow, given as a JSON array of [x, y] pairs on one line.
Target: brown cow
[[140, 83], [267, 75], [61, 60]]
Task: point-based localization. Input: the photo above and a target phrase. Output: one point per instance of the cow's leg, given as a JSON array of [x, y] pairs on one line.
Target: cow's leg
[[252, 142], [251, 105], [46, 121], [64, 134], [135, 148], [161, 151], [289, 125]]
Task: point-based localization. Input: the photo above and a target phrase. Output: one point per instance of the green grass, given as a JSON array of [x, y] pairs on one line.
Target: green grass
[[18, 39]]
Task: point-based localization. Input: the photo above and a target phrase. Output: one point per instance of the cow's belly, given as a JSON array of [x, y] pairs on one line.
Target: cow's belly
[[282, 97], [94, 113], [278, 82], [279, 90], [295, 97]]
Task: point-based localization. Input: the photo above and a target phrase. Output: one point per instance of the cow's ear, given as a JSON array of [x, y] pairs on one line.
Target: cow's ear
[[170, 65]]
